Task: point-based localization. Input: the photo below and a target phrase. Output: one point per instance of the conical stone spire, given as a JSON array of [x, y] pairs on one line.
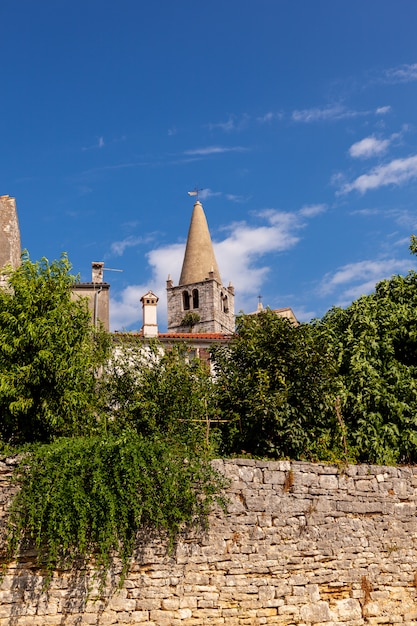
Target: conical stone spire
[[199, 261]]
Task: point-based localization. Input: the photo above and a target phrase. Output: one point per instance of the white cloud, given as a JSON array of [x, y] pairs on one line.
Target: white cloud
[[214, 150], [311, 210], [225, 126], [208, 193], [236, 198], [355, 279], [99, 145], [126, 309], [232, 124], [118, 247], [397, 172], [269, 117], [402, 74], [369, 147], [383, 110], [334, 112]]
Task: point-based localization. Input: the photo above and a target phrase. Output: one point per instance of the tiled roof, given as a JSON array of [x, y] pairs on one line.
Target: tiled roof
[[207, 336], [183, 336]]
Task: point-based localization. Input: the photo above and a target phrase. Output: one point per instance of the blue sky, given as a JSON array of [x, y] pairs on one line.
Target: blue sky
[[296, 118]]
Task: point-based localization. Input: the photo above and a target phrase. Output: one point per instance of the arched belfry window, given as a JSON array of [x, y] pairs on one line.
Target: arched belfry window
[[225, 304], [185, 300], [196, 303]]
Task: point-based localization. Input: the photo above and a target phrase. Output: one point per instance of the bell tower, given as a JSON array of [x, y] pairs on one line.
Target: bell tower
[[200, 302]]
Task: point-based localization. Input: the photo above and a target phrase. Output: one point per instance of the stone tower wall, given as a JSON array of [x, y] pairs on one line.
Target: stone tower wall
[[10, 248], [300, 545], [211, 298]]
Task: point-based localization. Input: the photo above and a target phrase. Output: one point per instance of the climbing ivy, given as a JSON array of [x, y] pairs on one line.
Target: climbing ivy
[[85, 500]]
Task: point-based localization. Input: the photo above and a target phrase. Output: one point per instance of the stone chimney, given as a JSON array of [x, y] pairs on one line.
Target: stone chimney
[[150, 324], [97, 271]]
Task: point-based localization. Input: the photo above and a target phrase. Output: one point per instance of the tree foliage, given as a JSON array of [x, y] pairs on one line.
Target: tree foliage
[[341, 387], [274, 384], [150, 389], [49, 355], [375, 343]]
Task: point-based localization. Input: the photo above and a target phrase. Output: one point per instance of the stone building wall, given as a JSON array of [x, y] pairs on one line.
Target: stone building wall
[[216, 307], [301, 544], [10, 250]]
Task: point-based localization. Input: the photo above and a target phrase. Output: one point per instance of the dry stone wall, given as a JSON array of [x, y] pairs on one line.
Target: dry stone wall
[[301, 544]]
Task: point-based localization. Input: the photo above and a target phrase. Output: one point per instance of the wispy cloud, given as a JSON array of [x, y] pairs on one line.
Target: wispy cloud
[[233, 124], [236, 198], [269, 117], [311, 210], [214, 150], [369, 147], [98, 145], [323, 114], [118, 247], [402, 74], [203, 194], [355, 279], [383, 110], [405, 218], [397, 172]]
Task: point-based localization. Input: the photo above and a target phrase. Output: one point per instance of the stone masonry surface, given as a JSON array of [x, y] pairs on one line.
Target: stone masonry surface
[[301, 544]]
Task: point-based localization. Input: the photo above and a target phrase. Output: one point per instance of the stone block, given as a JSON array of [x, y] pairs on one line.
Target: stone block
[[347, 609], [318, 612], [328, 482]]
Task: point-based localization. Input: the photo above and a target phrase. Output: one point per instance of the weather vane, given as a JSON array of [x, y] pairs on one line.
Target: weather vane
[[194, 192]]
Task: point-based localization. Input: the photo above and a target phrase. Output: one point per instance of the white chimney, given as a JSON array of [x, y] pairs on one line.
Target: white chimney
[[150, 324]]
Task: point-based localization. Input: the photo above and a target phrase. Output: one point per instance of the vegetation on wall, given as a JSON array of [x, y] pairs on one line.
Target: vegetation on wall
[[118, 441], [189, 320], [121, 441], [86, 500]]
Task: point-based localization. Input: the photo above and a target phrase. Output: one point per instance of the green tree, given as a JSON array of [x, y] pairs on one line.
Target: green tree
[[275, 384], [375, 343], [49, 355], [158, 392]]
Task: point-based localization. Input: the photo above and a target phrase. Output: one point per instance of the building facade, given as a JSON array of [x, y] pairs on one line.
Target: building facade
[[10, 247]]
